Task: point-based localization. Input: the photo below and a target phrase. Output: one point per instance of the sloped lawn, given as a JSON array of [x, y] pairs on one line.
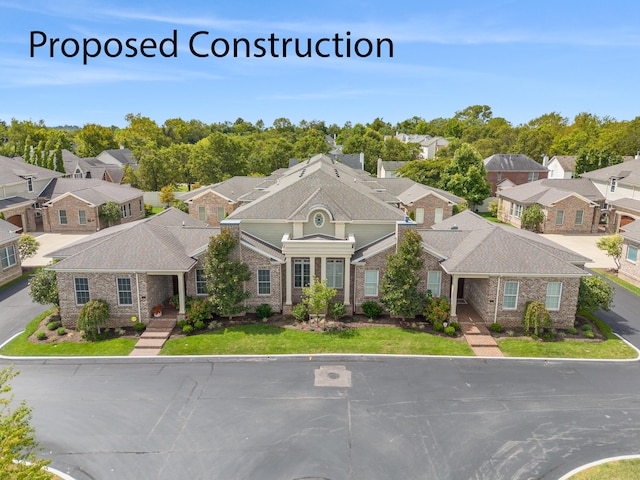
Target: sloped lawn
[[273, 340]]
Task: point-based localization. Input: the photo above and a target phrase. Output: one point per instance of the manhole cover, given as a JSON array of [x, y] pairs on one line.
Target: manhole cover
[[332, 376]]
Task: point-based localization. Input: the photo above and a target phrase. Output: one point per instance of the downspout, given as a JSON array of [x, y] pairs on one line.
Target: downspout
[[138, 290], [495, 312]]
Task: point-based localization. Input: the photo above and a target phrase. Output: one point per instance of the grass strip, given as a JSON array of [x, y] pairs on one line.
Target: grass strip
[[618, 470], [618, 281]]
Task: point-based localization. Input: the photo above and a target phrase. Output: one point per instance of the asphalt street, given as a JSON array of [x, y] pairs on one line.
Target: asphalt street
[[17, 309], [363, 418]]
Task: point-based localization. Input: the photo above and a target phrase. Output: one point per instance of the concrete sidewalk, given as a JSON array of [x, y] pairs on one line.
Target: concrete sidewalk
[[49, 242]]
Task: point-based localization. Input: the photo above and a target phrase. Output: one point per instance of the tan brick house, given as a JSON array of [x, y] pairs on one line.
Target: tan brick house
[[569, 206], [73, 205], [10, 267], [321, 219]]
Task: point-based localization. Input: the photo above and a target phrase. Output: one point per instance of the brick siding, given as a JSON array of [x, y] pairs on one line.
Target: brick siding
[[211, 201]]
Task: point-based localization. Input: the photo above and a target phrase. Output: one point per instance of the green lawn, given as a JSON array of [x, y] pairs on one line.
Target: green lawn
[[629, 286], [21, 347], [272, 340], [620, 470], [614, 349]]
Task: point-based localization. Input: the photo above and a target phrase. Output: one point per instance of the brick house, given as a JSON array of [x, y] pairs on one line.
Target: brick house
[[73, 205], [569, 206], [319, 219], [629, 261], [10, 266], [516, 167]]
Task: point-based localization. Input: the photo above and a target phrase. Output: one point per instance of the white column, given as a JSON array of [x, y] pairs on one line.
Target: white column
[[454, 295], [312, 268], [181, 294], [288, 279], [347, 280], [323, 268]]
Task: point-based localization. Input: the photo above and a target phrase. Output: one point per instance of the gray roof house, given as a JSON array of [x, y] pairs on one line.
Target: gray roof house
[[516, 167], [321, 219], [10, 267]]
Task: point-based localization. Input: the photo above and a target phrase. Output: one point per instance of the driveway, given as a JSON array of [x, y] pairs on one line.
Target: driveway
[[50, 242], [17, 309], [584, 245]]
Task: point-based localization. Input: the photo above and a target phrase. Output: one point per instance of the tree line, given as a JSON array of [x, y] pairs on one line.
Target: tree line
[[192, 152]]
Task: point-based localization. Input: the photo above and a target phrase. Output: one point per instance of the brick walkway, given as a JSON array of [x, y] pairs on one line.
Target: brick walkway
[[153, 338], [476, 332]]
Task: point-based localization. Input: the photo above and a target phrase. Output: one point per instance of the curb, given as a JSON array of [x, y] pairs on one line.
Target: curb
[[567, 476]]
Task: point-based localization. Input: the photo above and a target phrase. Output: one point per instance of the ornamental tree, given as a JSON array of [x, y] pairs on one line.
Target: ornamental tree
[[225, 276], [43, 287], [316, 297], [110, 212], [399, 284], [93, 315], [18, 445], [27, 246], [595, 293], [612, 246], [532, 217]]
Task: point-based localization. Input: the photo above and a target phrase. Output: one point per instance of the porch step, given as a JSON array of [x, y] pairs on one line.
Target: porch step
[[144, 352], [153, 338]]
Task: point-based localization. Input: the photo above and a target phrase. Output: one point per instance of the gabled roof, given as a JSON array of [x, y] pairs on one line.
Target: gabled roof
[[627, 173], [7, 232], [391, 166], [477, 246], [118, 156], [380, 245], [231, 189], [631, 231], [15, 170], [352, 160], [408, 191], [163, 243], [567, 162], [512, 162], [549, 191], [319, 182], [93, 191]]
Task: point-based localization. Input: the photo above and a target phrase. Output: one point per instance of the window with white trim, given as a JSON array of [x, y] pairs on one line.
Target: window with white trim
[[554, 294], [579, 217], [532, 176], [632, 254], [264, 281], [559, 217], [614, 182], [439, 215], [335, 272], [29, 184], [81, 288], [123, 208], [221, 213], [434, 280], [62, 215], [202, 213], [510, 295], [371, 283], [82, 217], [518, 211], [511, 209], [129, 205], [318, 220], [140, 206], [201, 282], [301, 272], [419, 216], [125, 296], [8, 256]]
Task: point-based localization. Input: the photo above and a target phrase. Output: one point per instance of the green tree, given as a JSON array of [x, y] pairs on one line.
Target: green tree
[[93, 139], [595, 159], [19, 448], [595, 293], [612, 246], [43, 287], [141, 134], [316, 297], [399, 284], [27, 246], [225, 276], [310, 144], [427, 172], [166, 195], [93, 315], [217, 158], [532, 217], [466, 177], [110, 212], [59, 163], [536, 317]]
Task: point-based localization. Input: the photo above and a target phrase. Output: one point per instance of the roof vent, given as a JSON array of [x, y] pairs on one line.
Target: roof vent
[[454, 227], [336, 172]]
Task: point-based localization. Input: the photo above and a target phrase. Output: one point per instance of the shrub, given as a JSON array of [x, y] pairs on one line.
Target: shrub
[[495, 327], [213, 325], [337, 310], [438, 326], [93, 315], [182, 323], [140, 327], [41, 335], [199, 325], [264, 311], [61, 331], [437, 309], [536, 317], [587, 327], [148, 209], [450, 331], [299, 312], [572, 330], [371, 309], [120, 331], [199, 311], [455, 325], [548, 336], [187, 329], [53, 325], [589, 334]]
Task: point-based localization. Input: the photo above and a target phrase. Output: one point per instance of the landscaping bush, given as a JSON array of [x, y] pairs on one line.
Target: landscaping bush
[[61, 331], [572, 331], [371, 309], [187, 329], [199, 325], [437, 309], [93, 315], [495, 327], [53, 325], [455, 325], [148, 209], [299, 312], [337, 310], [438, 326], [264, 311], [450, 331], [182, 323], [140, 327], [41, 335], [536, 317], [589, 334], [199, 311], [587, 327]]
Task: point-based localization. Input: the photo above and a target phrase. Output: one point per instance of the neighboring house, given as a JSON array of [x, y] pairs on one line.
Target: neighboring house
[[322, 219], [119, 157], [569, 206], [516, 167], [76, 167], [630, 261], [429, 145], [10, 267], [561, 166], [20, 186], [387, 169], [73, 205], [620, 186], [353, 160]]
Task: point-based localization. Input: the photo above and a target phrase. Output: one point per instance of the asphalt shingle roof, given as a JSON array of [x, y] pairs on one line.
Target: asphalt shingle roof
[[15, 170], [91, 190], [513, 162], [549, 191], [627, 173], [7, 232], [626, 203]]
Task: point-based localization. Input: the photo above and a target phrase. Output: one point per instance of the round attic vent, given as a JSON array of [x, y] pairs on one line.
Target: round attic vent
[[318, 219]]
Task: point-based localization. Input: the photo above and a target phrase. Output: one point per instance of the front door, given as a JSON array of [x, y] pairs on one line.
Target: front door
[[460, 288]]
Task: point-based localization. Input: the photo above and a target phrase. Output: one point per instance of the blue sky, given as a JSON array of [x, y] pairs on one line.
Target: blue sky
[[522, 58]]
